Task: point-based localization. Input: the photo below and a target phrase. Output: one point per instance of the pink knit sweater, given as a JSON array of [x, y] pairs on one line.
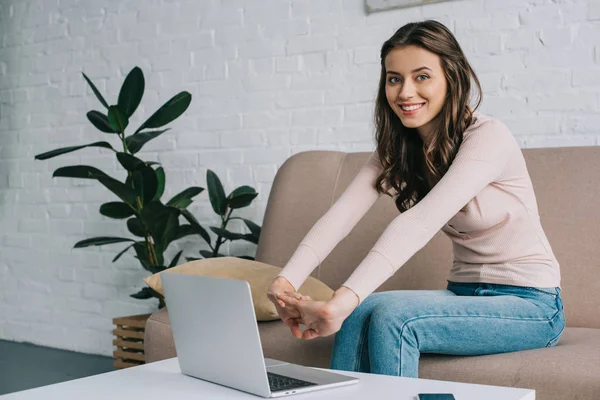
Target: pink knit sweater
[[485, 204]]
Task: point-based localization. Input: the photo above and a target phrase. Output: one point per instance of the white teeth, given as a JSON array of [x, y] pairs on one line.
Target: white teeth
[[411, 108]]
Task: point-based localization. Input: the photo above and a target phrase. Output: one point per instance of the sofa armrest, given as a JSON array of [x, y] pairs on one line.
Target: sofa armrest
[[158, 337]]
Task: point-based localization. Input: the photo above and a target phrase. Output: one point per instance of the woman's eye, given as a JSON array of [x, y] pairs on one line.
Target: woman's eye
[[425, 77], [393, 79]]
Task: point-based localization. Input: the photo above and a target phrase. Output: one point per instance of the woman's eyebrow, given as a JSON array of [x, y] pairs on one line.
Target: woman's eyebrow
[[412, 72]]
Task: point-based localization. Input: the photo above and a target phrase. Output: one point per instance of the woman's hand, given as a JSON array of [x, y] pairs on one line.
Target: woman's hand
[[288, 314], [322, 318]]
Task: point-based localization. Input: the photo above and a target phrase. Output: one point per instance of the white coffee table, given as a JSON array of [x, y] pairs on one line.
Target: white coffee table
[[164, 380]]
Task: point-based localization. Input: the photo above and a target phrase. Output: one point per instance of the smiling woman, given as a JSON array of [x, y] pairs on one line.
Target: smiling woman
[[451, 169], [423, 108]]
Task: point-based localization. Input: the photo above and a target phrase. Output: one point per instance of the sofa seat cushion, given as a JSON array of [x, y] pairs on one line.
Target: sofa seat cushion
[[567, 371]]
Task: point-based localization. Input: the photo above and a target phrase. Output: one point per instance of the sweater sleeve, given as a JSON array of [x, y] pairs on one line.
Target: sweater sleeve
[[480, 160], [335, 224]]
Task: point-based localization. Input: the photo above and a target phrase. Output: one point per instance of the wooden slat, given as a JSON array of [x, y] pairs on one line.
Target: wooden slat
[[129, 340], [123, 364], [129, 334], [128, 344], [128, 355], [137, 321]]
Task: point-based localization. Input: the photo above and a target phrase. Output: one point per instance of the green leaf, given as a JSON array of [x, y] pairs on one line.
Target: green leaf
[[117, 119], [116, 210], [100, 241], [123, 191], [246, 257], [160, 176], [96, 91], [122, 252], [250, 238], [142, 255], [153, 212], [184, 199], [170, 230], [79, 171], [162, 221], [171, 110], [100, 121], [135, 227], [227, 234], [254, 228], [216, 194], [145, 293], [175, 260], [129, 162], [190, 217], [131, 92], [145, 184], [192, 220], [64, 150], [137, 141], [187, 230], [241, 197], [192, 258]]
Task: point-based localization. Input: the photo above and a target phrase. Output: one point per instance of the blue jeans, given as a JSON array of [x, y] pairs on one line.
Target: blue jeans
[[388, 331]]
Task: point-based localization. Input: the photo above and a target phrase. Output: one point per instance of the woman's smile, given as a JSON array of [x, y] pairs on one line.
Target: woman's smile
[[409, 109]]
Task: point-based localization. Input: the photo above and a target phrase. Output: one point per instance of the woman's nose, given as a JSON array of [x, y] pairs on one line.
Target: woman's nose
[[406, 92]]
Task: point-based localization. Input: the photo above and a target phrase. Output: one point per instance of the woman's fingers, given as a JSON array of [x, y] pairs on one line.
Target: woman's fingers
[[297, 296], [286, 298], [294, 326], [310, 334]]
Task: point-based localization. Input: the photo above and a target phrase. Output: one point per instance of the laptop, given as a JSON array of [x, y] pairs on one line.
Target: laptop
[[216, 338]]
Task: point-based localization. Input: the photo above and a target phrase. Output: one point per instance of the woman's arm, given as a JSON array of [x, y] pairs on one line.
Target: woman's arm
[[480, 160], [335, 224]]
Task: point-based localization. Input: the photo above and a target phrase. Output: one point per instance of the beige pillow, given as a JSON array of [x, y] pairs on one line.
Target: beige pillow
[[259, 275]]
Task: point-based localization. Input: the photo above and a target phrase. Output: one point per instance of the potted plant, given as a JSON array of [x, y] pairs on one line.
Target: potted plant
[[224, 206], [154, 224]]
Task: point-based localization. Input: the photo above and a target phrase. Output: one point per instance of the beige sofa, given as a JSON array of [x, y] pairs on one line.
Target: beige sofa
[[567, 184]]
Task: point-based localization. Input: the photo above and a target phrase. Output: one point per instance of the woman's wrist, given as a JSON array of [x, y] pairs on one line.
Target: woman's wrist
[[345, 297], [282, 280]]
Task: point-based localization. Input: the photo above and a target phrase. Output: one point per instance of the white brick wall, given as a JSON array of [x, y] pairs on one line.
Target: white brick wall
[[269, 78]]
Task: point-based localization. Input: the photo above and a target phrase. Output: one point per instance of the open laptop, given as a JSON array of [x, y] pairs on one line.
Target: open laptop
[[217, 339]]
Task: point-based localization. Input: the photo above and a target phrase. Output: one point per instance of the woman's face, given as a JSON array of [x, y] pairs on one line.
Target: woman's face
[[415, 87]]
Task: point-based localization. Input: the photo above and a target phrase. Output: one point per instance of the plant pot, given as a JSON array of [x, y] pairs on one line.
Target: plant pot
[[129, 340]]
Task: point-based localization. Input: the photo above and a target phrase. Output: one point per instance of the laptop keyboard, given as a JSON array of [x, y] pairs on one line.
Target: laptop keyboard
[[280, 382]]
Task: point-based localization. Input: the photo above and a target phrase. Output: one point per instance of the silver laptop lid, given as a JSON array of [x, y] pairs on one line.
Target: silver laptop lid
[[215, 331]]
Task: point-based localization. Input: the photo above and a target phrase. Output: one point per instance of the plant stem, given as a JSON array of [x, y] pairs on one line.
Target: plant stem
[[125, 149], [224, 222], [151, 251]]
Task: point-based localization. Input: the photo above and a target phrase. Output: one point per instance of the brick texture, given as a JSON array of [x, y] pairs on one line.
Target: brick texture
[[269, 79]]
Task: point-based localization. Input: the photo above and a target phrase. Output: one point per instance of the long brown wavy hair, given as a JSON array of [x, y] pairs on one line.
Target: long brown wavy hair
[[406, 160]]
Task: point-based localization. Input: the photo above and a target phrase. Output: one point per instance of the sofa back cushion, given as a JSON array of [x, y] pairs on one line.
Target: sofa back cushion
[[565, 181]]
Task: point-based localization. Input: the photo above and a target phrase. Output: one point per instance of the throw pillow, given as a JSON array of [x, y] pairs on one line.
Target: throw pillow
[[259, 275]]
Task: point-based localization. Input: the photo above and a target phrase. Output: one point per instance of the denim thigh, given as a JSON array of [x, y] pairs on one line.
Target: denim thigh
[[515, 302]]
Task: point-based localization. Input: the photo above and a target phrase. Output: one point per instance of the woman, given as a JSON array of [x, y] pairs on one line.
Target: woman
[[461, 172]]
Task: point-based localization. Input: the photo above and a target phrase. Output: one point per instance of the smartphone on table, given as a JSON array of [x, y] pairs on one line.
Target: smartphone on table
[[436, 396]]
